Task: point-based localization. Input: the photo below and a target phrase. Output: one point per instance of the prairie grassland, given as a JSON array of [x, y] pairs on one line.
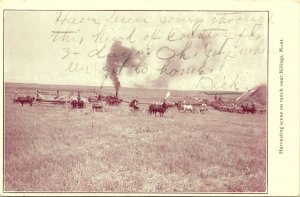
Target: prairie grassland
[[60, 149]]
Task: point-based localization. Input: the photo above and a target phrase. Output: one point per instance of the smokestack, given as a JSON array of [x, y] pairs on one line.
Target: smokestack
[[116, 94]]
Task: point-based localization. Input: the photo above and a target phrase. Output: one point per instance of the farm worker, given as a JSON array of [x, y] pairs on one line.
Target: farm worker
[[37, 94], [135, 104], [57, 95], [78, 96], [16, 94]]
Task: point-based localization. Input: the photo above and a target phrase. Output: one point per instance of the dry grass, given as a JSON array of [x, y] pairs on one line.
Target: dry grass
[[50, 149]]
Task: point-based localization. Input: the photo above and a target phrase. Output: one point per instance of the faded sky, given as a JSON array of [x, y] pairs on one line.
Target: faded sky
[[169, 49]]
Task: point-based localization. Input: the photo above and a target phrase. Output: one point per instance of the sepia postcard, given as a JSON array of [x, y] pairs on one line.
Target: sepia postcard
[[149, 98]]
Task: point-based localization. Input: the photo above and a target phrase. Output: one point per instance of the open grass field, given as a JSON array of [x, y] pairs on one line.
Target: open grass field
[[54, 148]]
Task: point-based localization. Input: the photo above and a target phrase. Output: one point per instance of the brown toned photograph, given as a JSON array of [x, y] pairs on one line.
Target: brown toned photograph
[[135, 101]]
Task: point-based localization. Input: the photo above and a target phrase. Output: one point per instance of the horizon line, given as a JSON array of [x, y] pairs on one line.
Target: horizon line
[[32, 83]]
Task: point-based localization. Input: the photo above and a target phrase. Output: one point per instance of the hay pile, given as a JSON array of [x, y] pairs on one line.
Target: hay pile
[[257, 95]]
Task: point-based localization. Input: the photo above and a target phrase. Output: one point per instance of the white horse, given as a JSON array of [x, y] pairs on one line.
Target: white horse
[[187, 108]]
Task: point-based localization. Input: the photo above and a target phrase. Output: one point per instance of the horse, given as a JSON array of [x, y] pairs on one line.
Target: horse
[[80, 104], [25, 99], [77, 104], [179, 106], [74, 103], [161, 109], [247, 109], [187, 108]]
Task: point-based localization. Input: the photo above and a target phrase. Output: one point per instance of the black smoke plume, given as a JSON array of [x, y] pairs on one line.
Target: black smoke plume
[[121, 57]]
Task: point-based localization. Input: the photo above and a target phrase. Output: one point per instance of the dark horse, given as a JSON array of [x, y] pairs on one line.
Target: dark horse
[[247, 109], [77, 103], [161, 109], [25, 99], [179, 106]]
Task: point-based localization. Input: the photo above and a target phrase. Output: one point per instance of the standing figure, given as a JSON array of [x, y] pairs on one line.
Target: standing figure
[[78, 96], [134, 105], [15, 99]]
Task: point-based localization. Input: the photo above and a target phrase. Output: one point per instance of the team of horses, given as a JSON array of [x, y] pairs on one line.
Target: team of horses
[[159, 108], [245, 108], [192, 108], [99, 103], [24, 100]]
